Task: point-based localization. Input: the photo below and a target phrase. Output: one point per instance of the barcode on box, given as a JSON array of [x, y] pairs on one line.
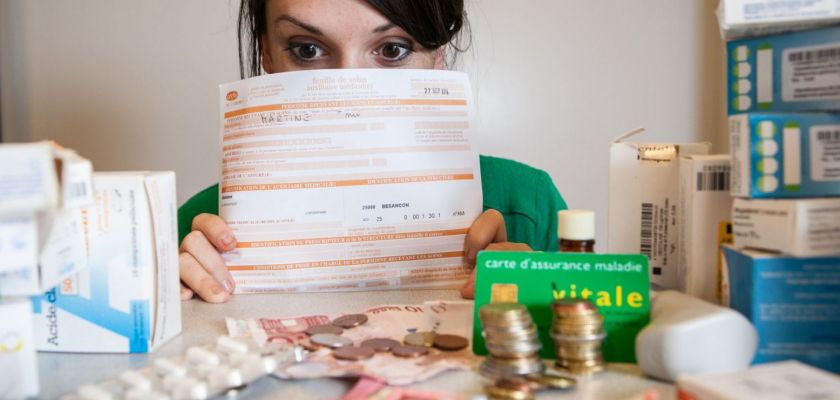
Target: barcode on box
[[646, 236], [814, 55], [713, 178], [828, 135], [77, 190]]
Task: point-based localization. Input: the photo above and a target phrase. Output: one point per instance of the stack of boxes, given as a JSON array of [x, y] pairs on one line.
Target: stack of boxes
[[784, 122], [88, 261], [43, 192]]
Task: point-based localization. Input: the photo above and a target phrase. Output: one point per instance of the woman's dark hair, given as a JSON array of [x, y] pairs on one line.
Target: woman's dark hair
[[432, 23]]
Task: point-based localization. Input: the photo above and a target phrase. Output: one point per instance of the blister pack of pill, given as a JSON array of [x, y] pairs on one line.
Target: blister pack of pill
[[202, 372]]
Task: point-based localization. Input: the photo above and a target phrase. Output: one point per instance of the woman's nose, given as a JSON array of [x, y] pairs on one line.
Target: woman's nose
[[353, 61]]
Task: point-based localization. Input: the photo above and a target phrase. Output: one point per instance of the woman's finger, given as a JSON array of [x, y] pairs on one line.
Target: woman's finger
[[202, 251], [200, 281], [186, 293], [488, 228], [508, 246], [468, 290], [216, 230]]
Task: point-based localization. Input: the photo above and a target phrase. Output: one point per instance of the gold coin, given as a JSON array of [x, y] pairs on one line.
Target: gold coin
[[499, 393], [420, 339], [502, 311], [546, 381], [573, 307]]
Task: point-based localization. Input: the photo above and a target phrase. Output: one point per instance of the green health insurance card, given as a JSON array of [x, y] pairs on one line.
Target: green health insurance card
[[618, 284]]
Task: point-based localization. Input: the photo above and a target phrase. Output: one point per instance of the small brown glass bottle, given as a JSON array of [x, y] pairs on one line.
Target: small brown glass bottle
[[576, 231]]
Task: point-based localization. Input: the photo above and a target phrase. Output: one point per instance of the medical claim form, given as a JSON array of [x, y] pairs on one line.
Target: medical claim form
[[348, 179]]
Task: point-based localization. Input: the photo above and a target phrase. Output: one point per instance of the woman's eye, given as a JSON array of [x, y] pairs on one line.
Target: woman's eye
[[306, 51], [394, 51]]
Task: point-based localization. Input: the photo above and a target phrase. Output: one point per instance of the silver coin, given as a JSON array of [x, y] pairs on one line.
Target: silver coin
[[329, 340]]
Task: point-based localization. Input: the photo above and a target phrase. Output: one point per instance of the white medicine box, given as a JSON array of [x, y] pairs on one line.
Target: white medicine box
[[128, 300], [644, 202]]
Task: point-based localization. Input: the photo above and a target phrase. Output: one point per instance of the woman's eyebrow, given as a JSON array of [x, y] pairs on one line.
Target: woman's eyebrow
[[383, 28], [304, 25]]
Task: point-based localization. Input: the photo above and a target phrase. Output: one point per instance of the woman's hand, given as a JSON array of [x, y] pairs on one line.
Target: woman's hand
[[486, 233], [202, 269]]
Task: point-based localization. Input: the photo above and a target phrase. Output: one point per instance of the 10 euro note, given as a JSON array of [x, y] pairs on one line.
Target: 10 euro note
[[348, 179], [388, 321]]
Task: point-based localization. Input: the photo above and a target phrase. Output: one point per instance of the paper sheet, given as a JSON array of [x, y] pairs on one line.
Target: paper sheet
[[348, 179]]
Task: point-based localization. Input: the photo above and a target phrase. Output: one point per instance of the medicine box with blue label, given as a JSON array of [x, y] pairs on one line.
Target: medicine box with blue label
[[743, 18], [128, 299], [793, 302], [785, 155], [791, 72]]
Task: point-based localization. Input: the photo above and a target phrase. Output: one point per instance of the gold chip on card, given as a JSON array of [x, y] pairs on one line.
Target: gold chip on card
[[504, 293]]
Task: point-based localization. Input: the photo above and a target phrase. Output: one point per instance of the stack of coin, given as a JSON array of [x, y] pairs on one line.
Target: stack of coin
[[511, 340], [525, 388], [578, 331]]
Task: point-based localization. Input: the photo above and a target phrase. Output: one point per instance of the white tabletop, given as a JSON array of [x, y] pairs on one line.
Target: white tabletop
[[61, 373]]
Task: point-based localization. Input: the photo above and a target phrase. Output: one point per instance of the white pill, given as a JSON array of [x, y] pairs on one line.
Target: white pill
[[201, 370], [230, 345], [224, 378], [257, 368], [136, 380], [164, 366], [140, 394], [93, 392], [269, 364], [199, 355], [170, 381], [238, 359], [190, 389]]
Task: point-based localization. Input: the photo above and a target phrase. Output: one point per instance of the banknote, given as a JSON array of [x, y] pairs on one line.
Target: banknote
[[385, 321]]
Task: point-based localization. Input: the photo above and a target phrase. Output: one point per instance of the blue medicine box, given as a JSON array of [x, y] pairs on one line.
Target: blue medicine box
[[785, 155], [791, 72], [794, 304]]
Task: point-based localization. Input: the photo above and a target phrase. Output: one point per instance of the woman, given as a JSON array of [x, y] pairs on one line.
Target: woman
[[286, 35]]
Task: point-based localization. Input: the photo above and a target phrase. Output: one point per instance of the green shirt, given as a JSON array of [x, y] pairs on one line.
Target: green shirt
[[526, 197]]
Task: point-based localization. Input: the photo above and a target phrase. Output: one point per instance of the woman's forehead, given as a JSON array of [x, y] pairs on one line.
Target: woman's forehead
[[326, 16]]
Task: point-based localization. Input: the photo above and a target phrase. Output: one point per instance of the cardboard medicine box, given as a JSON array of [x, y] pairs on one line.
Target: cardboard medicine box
[[797, 227], [793, 303], [643, 203], [704, 203], [42, 189], [128, 300], [782, 380], [742, 18], [18, 361], [59, 240], [792, 72], [785, 155], [42, 176]]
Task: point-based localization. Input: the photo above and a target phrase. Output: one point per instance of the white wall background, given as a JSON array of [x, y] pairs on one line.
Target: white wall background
[[133, 84]]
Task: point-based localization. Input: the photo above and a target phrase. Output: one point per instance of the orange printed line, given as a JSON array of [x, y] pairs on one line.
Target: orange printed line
[[346, 103], [349, 262], [294, 130], [346, 152], [350, 239], [351, 182], [278, 143]]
